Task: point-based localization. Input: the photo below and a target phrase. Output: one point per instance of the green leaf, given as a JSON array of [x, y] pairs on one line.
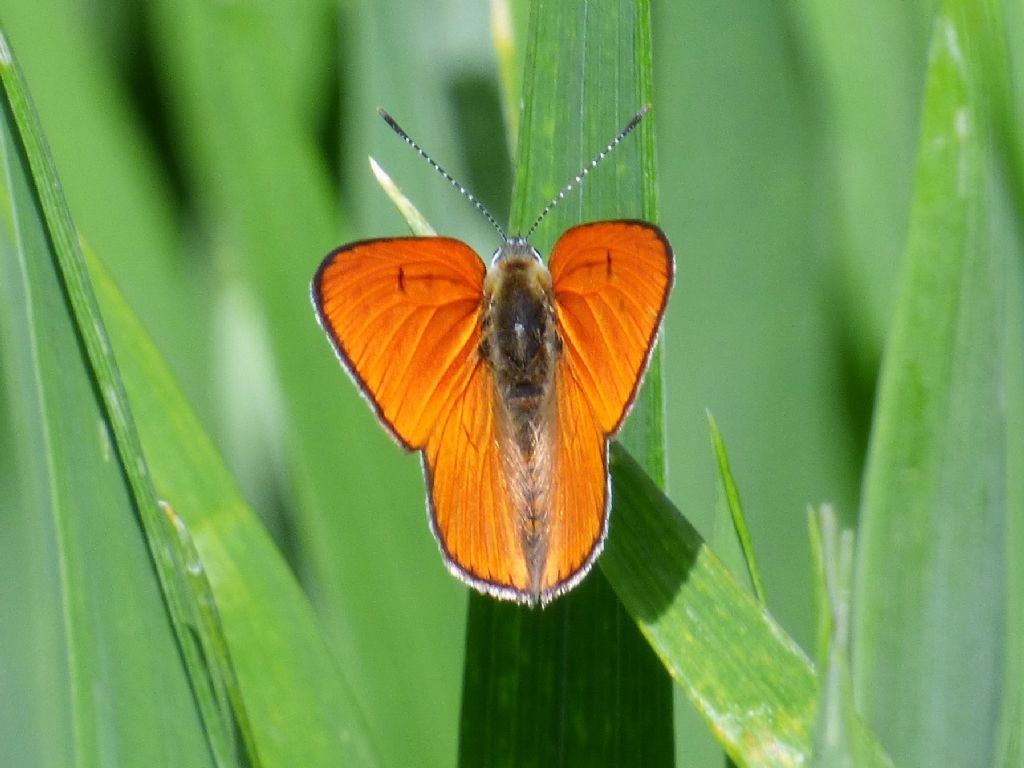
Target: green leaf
[[753, 685], [508, 32], [1011, 727], [418, 224], [575, 683], [931, 566], [100, 678], [836, 740], [732, 498], [300, 706]]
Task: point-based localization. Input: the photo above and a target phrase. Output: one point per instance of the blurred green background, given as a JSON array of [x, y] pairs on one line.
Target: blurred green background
[[213, 152]]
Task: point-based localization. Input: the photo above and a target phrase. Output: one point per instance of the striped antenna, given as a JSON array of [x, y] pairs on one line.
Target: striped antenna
[[466, 193], [578, 180]]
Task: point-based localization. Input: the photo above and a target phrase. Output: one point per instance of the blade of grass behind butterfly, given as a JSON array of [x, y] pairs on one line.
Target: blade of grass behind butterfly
[[118, 633], [1008, 110], [508, 29], [575, 683]]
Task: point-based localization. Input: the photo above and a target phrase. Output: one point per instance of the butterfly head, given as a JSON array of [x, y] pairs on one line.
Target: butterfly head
[[516, 248]]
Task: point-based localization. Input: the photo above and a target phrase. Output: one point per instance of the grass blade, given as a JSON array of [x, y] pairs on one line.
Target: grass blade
[[753, 685], [301, 709], [508, 30], [84, 467], [835, 742], [732, 497], [575, 683], [1011, 726], [931, 581]]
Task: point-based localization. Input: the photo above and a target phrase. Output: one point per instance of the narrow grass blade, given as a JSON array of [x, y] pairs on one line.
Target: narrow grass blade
[[732, 497], [575, 683], [418, 224], [82, 487], [822, 600], [508, 36], [836, 743], [931, 584], [201, 616]]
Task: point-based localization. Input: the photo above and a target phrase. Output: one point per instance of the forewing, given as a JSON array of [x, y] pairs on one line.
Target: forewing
[[404, 317], [611, 281]]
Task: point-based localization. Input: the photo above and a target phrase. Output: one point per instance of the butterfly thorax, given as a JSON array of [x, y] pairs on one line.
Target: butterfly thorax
[[520, 339], [521, 345]]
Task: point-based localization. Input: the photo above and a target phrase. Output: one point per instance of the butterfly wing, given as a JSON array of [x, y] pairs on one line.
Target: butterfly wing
[[403, 315], [579, 493], [471, 507], [611, 281]]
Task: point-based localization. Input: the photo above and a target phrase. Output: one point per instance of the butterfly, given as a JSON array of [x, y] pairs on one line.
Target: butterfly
[[509, 379]]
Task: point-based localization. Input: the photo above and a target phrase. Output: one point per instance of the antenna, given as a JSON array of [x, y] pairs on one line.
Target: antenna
[[466, 193], [578, 180]]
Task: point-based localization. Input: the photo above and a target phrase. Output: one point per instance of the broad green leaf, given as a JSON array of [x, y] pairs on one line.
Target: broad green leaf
[[931, 586], [575, 683], [96, 667], [1011, 725], [755, 688], [1004, 74], [300, 705]]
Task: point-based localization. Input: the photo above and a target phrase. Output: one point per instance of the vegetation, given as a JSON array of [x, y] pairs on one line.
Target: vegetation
[[212, 554]]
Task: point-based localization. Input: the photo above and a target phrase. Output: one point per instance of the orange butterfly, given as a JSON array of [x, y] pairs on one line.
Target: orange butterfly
[[510, 380]]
